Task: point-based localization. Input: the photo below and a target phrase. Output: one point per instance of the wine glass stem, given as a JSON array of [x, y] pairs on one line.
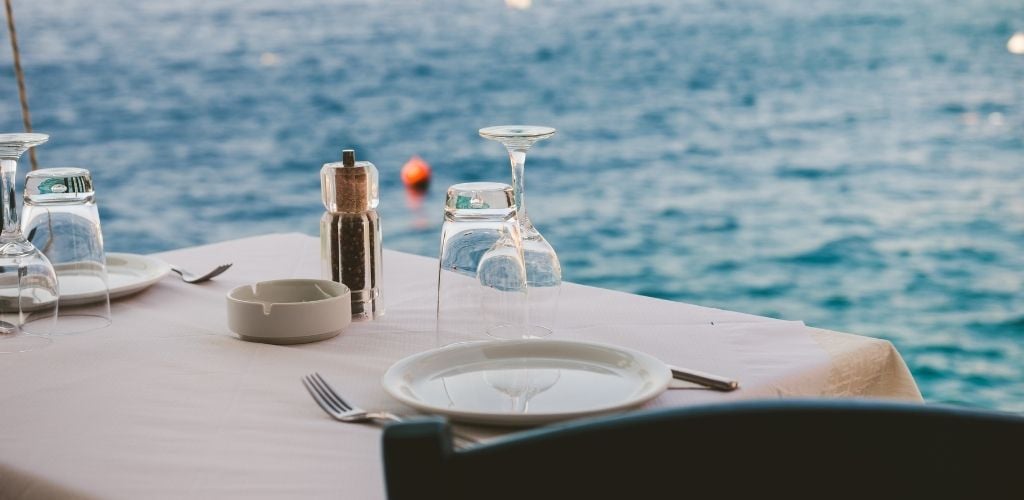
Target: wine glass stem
[[518, 159], [8, 170]]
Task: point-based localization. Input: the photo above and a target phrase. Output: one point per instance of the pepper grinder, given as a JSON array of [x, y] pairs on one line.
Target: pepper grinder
[[350, 237]]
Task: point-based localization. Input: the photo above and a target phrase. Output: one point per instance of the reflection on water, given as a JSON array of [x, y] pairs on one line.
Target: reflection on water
[[519, 4], [1016, 43]]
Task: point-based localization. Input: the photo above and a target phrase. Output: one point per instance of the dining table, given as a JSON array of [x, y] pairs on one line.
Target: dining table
[[166, 402]]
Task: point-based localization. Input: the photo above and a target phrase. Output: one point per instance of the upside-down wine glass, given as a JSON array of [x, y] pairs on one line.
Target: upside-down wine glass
[[28, 283], [543, 271]]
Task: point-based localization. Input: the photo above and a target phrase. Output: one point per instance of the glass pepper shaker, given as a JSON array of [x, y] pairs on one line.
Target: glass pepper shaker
[[350, 237]]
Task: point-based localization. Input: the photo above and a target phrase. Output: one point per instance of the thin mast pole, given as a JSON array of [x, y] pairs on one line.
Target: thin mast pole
[[20, 75]]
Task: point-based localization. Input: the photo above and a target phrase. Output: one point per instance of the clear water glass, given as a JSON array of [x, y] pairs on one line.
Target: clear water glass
[[28, 283], [543, 270], [61, 219], [481, 282]]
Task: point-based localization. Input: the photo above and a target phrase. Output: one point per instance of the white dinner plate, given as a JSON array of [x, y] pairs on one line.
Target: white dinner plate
[[127, 273], [526, 382]]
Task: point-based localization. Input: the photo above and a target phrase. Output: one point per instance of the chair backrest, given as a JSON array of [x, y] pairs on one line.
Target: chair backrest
[[787, 449]]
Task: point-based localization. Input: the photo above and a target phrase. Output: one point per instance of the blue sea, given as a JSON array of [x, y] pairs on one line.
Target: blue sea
[[857, 165]]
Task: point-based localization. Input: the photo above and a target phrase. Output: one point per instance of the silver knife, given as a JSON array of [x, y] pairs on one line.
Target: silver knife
[[709, 380]]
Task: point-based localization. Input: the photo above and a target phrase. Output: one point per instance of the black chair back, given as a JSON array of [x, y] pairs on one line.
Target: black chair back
[[772, 449]]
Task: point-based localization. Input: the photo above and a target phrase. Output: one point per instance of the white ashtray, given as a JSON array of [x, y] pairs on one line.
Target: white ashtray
[[291, 311]]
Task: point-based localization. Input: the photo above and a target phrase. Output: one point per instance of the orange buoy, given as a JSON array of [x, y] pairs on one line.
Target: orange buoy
[[416, 173]]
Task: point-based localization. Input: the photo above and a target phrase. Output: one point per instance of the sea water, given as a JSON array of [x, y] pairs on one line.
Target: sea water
[[857, 165]]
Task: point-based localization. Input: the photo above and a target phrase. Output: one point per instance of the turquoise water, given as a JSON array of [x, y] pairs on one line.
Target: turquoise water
[[857, 166]]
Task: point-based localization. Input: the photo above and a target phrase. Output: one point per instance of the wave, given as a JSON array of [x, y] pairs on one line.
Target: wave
[[847, 251]]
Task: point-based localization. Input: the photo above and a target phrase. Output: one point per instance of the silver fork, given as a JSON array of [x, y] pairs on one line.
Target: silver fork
[[341, 410], [188, 277]]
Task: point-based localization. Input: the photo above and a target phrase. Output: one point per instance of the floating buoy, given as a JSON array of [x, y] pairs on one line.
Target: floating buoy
[[416, 173]]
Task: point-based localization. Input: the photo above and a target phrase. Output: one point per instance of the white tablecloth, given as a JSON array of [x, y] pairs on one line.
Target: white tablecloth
[[166, 403]]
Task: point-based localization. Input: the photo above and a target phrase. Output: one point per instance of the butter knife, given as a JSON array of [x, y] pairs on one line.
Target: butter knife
[[709, 380]]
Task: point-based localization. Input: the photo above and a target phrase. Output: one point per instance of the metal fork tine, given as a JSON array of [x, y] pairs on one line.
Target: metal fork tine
[[329, 391], [313, 391], [220, 270], [326, 395], [339, 409]]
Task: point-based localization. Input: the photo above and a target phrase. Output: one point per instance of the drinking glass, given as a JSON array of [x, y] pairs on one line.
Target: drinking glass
[[61, 219], [481, 282], [28, 284], [543, 271]]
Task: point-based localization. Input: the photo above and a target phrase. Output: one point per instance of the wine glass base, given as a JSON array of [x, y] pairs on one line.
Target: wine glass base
[[516, 332], [517, 137], [502, 132], [11, 342]]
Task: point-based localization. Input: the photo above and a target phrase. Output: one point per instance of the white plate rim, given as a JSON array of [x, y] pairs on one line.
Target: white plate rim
[[153, 270], [662, 376]]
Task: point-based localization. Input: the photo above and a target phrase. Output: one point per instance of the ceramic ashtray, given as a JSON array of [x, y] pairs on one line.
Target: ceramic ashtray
[[291, 311]]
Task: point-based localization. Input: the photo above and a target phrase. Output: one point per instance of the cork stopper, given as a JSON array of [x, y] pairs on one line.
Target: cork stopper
[[349, 186]]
